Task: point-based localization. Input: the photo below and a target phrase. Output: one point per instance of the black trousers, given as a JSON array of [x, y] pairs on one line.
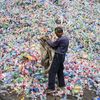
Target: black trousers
[[57, 68]]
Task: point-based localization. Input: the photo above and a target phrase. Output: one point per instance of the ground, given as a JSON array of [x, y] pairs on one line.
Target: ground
[[88, 95]]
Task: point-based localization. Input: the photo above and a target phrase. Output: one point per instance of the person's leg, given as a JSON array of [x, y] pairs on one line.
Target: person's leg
[[52, 73], [60, 74]]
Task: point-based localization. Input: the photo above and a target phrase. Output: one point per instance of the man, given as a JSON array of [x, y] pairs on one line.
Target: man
[[60, 46]]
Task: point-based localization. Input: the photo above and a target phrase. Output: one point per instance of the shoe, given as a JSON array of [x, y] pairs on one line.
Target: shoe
[[49, 91], [61, 91], [61, 88]]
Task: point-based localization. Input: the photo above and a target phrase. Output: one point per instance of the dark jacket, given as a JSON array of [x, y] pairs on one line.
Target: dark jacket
[[60, 45]]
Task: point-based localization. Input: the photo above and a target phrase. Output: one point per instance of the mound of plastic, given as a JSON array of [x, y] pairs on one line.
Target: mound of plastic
[[22, 23]]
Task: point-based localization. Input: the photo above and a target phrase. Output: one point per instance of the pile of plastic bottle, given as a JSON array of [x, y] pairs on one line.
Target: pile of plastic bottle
[[22, 23]]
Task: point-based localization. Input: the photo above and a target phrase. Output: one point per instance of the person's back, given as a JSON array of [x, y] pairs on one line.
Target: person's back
[[63, 45]]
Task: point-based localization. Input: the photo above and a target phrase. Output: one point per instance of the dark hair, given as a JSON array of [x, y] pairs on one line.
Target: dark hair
[[58, 21], [58, 30]]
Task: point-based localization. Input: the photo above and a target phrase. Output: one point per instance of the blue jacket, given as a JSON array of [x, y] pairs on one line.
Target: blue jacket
[[60, 45]]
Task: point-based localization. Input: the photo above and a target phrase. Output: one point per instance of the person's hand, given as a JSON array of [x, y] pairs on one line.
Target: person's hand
[[44, 38]]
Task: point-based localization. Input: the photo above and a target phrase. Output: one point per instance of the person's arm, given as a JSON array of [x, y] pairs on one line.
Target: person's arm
[[53, 44]]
